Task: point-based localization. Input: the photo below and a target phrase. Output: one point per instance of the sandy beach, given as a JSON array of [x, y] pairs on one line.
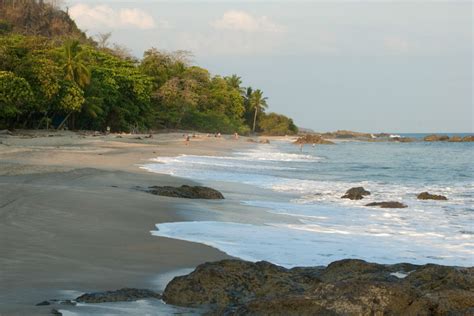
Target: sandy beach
[[70, 218]]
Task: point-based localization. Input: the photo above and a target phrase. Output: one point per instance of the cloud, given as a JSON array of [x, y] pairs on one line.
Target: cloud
[[243, 21], [103, 16]]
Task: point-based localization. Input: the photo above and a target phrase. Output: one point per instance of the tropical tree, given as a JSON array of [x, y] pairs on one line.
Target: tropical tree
[[75, 69], [15, 95], [258, 103], [234, 82]]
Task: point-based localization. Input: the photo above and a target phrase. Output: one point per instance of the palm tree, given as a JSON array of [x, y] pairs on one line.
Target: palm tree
[[74, 68], [234, 82], [258, 103]]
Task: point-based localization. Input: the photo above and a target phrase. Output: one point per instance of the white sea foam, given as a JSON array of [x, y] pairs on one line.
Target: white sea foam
[[327, 227], [293, 245]]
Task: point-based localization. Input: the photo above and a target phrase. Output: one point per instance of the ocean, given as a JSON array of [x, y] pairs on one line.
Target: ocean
[[299, 218]]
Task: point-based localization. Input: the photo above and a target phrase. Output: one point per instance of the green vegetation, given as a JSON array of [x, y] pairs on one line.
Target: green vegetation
[[63, 79]]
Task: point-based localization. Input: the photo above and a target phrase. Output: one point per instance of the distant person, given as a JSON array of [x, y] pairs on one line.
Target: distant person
[[186, 141], [314, 145], [219, 135], [236, 136]]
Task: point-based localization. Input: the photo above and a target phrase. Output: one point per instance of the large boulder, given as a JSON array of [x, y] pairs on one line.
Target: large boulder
[[428, 196], [187, 192], [436, 138], [346, 287], [313, 139], [122, 295], [469, 138], [356, 193], [389, 204]]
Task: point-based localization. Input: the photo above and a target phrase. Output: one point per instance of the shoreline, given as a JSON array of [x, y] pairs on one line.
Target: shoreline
[[71, 220]]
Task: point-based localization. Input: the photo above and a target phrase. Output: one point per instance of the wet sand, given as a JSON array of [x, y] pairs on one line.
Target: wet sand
[[71, 220]]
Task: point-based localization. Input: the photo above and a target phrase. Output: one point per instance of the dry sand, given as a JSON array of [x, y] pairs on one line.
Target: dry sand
[[71, 220]]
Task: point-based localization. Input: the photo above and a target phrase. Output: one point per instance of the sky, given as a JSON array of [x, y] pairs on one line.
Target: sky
[[374, 66]]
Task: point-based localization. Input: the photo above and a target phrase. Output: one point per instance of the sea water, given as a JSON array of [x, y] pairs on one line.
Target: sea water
[[314, 226]]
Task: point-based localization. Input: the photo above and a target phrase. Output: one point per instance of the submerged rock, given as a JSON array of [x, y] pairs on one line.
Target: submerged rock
[[125, 294], [389, 204], [428, 196], [187, 192], [346, 287], [356, 193]]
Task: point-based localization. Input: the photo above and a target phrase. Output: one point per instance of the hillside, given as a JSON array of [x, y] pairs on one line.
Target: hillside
[[40, 18]]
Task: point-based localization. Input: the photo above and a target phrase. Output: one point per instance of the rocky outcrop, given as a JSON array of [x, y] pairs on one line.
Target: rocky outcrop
[[389, 204], [346, 287], [343, 134], [187, 192], [469, 138], [428, 196], [436, 138], [122, 295], [356, 193], [313, 139], [455, 139]]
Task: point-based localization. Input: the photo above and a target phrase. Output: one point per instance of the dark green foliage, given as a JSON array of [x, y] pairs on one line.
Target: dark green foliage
[[75, 83], [277, 124]]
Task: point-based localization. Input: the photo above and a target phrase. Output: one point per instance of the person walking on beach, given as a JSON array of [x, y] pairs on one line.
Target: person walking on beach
[[186, 141]]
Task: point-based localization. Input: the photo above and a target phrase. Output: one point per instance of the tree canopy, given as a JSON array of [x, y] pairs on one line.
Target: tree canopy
[[72, 81]]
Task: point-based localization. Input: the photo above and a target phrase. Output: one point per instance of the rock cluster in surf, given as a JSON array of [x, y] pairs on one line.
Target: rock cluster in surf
[[313, 139], [346, 287], [428, 196], [186, 192], [356, 193]]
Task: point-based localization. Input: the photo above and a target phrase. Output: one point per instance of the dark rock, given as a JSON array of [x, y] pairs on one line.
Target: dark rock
[[43, 303], [390, 204], [346, 287], [356, 193], [428, 196], [187, 192], [436, 138], [55, 312], [125, 294], [313, 139]]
